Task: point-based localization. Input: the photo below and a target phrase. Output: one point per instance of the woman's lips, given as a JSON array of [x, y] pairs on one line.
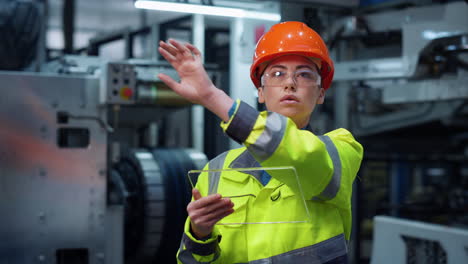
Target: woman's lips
[[289, 99]]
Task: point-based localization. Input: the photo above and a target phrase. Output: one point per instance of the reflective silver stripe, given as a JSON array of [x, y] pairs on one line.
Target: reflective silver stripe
[[333, 186], [213, 177], [316, 254], [270, 138], [246, 160], [242, 123]]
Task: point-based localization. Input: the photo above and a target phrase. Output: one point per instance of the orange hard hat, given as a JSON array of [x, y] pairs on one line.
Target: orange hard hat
[[289, 38]]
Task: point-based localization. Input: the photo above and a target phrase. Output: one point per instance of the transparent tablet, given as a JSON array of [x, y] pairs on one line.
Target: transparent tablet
[[280, 201]]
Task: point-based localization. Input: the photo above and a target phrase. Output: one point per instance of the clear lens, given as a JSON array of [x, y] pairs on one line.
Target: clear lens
[[301, 77]]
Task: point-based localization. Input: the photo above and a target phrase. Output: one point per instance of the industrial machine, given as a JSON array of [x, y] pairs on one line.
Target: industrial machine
[[401, 87], [404, 241], [85, 176]]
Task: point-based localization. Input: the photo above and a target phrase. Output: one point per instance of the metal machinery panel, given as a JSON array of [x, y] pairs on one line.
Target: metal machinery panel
[[52, 169], [393, 92], [427, 90], [421, 28], [398, 241]]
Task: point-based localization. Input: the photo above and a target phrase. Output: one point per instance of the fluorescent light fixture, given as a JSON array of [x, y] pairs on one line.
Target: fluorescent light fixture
[[205, 10]]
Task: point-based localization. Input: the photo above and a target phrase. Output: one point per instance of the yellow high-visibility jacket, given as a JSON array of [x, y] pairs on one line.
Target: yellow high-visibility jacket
[[326, 167]]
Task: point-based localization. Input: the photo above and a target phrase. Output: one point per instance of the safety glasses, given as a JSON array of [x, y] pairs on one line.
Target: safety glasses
[[301, 77]]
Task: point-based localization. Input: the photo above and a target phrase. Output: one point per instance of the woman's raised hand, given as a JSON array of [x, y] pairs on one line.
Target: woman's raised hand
[[194, 85]]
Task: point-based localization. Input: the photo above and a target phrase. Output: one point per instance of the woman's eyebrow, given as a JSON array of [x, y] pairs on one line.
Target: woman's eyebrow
[[309, 67], [303, 66], [279, 66]]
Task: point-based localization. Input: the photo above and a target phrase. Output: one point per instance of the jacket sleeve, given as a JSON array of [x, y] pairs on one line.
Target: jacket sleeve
[[274, 140], [193, 250]]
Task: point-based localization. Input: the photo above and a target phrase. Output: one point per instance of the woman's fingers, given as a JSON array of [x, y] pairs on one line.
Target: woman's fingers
[[195, 84], [221, 205], [180, 48], [215, 220], [209, 219], [196, 194], [209, 207], [204, 201], [169, 48], [205, 212], [193, 49], [177, 54], [168, 56], [169, 82], [174, 51], [218, 212]]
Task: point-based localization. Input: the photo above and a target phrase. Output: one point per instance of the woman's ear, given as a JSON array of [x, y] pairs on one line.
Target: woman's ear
[[321, 97], [261, 99]]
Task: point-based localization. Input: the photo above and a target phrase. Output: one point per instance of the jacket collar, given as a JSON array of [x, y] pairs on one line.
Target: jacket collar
[[307, 127], [244, 160]]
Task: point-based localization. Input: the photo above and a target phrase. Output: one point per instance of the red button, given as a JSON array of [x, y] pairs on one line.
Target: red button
[[126, 93]]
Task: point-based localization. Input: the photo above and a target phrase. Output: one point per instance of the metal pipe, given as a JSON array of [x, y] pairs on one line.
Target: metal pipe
[[68, 19], [198, 121]]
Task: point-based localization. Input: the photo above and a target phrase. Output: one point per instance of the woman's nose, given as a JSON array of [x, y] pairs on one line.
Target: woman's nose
[[290, 83], [291, 87]]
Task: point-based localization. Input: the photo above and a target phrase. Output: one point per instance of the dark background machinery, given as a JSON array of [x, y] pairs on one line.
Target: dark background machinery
[[401, 88]]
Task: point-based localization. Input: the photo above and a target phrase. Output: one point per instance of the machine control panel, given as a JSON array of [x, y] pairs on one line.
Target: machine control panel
[[121, 83]]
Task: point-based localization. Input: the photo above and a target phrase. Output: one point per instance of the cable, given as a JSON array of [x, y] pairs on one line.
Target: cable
[[101, 122]]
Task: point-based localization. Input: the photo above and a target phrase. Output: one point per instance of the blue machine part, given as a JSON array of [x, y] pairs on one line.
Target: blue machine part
[[372, 2]]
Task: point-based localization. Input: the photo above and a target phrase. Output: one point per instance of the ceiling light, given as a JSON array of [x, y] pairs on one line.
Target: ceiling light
[[205, 10]]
